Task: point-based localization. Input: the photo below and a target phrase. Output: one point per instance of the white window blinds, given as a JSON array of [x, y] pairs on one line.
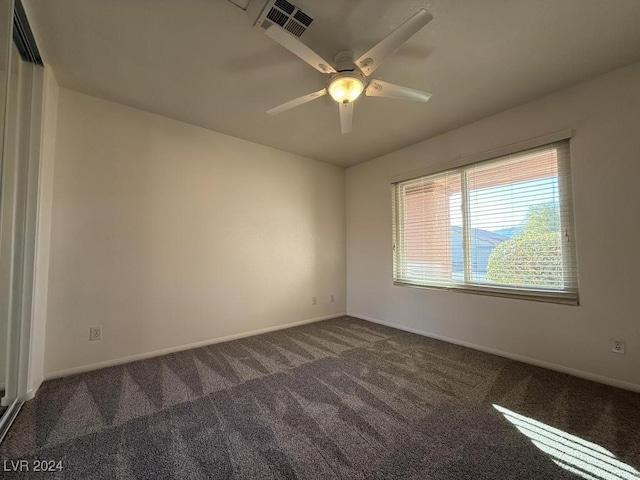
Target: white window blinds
[[502, 226]]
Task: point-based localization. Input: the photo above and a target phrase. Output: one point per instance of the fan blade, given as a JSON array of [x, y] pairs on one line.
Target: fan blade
[[372, 59], [378, 88], [297, 101], [300, 49], [346, 116]]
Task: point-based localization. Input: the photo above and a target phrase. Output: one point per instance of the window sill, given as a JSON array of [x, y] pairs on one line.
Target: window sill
[[529, 295]]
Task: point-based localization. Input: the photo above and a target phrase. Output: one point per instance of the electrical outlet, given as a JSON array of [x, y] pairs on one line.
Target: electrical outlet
[[617, 346], [333, 298], [314, 300], [95, 333]]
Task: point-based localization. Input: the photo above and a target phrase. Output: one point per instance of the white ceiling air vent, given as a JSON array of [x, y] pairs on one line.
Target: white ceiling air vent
[[279, 12]]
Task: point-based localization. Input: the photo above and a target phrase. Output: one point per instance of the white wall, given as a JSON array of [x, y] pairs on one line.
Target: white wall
[[604, 114], [167, 235]]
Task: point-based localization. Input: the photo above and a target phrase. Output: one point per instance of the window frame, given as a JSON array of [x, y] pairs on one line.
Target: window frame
[[568, 295]]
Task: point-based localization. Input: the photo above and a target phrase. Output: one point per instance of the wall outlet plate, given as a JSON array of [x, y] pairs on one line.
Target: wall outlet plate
[[95, 333], [617, 346], [314, 300]]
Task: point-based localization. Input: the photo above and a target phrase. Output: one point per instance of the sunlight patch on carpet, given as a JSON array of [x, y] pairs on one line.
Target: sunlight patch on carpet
[[587, 459]]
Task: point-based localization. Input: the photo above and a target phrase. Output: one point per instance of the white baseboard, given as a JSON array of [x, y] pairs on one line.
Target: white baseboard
[[512, 356], [156, 353]]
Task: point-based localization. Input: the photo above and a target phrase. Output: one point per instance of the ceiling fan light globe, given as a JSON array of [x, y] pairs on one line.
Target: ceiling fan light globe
[[345, 89]]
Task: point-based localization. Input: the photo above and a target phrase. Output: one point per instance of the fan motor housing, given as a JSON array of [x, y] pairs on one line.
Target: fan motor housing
[[343, 61]]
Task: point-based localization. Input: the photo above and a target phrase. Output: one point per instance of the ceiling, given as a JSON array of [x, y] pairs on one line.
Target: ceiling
[[202, 62]]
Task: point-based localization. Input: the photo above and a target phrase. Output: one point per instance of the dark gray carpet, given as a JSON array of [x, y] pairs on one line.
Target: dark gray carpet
[[339, 399]]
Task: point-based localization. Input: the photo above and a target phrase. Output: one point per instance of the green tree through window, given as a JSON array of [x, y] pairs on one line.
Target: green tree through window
[[533, 257]]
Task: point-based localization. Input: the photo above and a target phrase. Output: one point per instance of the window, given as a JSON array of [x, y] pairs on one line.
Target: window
[[502, 226]]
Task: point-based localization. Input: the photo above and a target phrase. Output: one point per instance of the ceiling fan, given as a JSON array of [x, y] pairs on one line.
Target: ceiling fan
[[348, 78]]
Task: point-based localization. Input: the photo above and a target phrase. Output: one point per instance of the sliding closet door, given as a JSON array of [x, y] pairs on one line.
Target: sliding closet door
[[21, 109], [13, 211], [18, 196], [6, 20]]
